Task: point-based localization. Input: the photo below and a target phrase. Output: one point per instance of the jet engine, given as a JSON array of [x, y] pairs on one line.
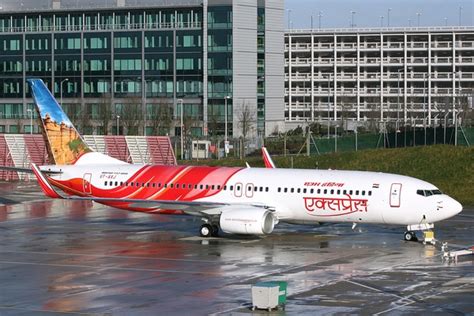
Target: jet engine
[[247, 221]]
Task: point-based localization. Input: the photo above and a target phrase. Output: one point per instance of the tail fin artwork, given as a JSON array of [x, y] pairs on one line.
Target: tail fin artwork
[[64, 144]]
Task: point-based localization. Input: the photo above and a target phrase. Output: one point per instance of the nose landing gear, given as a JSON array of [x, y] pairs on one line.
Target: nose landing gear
[[410, 236]]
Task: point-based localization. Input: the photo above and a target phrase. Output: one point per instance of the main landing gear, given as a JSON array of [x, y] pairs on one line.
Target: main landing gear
[[209, 230], [410, 236]]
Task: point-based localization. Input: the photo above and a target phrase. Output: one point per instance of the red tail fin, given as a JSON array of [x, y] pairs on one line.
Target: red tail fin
[[44, 184]]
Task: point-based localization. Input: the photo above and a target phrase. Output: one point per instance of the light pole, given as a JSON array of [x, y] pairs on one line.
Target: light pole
[[352, 18], [445, 21], [418, 14], [312, 22], [388, 16], [226, 143], [398, 108], [61, 89], [460, 15], [181, 127], [329, 102], [320, 15], [289, 18], [425, 78], [31, 120], [118, 123]]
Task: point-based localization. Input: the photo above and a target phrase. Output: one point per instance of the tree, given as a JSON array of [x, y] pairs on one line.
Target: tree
[[105, 112], [161, 117], [246, 120], [132, 116]]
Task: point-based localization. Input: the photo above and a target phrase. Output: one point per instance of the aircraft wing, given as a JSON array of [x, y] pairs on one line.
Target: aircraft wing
[[195, 208]]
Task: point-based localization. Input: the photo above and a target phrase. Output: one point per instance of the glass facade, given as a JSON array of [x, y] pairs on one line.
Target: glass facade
[[219, 69], [95, 61]]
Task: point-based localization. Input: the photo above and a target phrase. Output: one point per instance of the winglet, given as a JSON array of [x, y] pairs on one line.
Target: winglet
[[267, 159], [44, 184]]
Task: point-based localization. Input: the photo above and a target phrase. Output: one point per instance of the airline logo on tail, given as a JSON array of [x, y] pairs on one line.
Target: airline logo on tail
[[65, 144]]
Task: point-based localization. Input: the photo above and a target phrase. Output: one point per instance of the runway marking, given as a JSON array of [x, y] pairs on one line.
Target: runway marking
[[379, 290], [105, 256], [106, 268], [48, 311], [422, 299]]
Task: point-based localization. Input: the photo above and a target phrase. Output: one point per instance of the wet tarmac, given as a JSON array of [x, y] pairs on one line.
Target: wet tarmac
[[62, 257]]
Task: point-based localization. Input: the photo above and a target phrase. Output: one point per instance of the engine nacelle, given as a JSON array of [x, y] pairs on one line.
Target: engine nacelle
[[247, 221]]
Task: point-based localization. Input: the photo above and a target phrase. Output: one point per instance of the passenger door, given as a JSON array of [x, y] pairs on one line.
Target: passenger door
[[86, 183], [395, 194]]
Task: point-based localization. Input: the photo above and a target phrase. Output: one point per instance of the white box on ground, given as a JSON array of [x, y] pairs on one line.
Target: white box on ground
[[268, 295]]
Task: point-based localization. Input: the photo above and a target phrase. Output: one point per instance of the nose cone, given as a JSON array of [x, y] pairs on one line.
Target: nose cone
[[454, 207]]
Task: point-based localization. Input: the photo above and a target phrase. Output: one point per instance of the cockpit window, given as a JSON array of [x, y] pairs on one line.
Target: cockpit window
[[428, 192]]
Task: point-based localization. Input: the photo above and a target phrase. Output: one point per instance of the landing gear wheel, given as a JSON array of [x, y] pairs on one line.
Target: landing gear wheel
[[206, 230], [215, 231], [410, 236]]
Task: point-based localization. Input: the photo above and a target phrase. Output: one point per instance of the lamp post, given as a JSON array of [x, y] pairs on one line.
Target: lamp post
[[352, 18], [388, 16], [418, 14], [118, 123], [226, 143], [460, 15], [61, 89], [31, 120], [398, 108], [289, 18], [329, 102], [320, 15], [181, 127]]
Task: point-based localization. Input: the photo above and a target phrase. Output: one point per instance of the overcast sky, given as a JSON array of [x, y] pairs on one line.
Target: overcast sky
[[335, 13]]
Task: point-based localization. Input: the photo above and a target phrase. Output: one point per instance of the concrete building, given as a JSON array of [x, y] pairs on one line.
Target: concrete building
[[115, 67], [403, 76]]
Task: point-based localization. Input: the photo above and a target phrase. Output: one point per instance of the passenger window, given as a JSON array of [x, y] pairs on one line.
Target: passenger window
[[165, 185], [231, 188], [261, 189], [279, 190], [105, 183], [350, 192], [338, 192], [159, 184], [292, 190], [148, 185], [325, 191], [332, 191], [207, 186], [285, 190], [201, 186], [266, 189], [218, 187], [344, 192], [212, 187], [370, 193], [298, 190], [304, 190], [225, 187], [116, 183], [312, 191], [357, 192], [363, 192], [319, 191]]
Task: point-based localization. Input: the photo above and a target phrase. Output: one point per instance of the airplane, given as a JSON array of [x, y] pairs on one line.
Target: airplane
[[246, 201]]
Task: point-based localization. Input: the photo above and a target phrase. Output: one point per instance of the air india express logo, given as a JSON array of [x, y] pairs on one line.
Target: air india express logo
[[321, 206]]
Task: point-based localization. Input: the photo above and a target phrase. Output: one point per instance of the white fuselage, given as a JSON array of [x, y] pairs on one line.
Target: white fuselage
[[295, 195]]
